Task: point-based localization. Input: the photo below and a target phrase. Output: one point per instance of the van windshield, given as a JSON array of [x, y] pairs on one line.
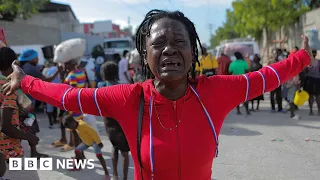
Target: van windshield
[[117, 44], [244, 49]]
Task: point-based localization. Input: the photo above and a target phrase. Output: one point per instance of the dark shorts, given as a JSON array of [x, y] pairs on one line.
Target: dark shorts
[[116, 135], [312, 85], [119, 141]]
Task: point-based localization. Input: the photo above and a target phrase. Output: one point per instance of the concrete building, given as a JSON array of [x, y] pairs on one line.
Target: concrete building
[[42, 28], [53, 24], [289, 37], [105, 29]]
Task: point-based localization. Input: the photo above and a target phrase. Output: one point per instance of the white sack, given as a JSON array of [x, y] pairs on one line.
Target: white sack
[[69, 50]]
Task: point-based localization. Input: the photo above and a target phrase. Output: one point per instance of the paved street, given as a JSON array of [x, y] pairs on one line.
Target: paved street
[[247, 151]]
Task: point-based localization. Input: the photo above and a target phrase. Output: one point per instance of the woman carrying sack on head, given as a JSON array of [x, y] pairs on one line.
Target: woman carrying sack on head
[[68, 53]]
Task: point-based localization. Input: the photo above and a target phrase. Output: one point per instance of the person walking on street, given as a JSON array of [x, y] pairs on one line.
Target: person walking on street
[[124, 76], [240, 67], [292, 85], [276, 95], [51, 110], [256, 66], [109, 74], [312, 84], [28, 61], [208, 64], [223, 64], [11, 134]]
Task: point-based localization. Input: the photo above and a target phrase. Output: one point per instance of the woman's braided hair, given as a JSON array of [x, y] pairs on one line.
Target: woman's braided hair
[[7, 56], [144, 31]]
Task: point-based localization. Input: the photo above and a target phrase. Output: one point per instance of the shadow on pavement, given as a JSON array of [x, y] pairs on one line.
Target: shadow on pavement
[[48, 136], [238, 131], [96, 173], [265, 118]]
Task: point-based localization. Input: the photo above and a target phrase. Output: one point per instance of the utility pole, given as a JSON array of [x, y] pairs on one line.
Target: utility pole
[[210, 28], [210, 31]]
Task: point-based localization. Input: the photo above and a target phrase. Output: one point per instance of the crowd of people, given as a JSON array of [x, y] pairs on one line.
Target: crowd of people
[[82, 127], [308, 80], [178, 88]]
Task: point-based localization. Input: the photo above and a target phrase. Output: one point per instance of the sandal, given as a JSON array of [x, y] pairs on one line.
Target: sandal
[[75, 169], [58, 143], [114, 178], [39, 155], [74, 166], [66, 148]]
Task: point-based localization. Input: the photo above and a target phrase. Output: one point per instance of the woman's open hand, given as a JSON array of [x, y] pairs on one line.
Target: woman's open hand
[[305, 46], [14, 79]]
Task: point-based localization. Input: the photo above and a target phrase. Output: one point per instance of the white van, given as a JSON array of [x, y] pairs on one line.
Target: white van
[[246, 46], [118, 45]]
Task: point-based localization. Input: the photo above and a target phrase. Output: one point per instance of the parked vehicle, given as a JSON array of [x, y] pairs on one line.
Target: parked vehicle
[[118, 45], [247, 46]]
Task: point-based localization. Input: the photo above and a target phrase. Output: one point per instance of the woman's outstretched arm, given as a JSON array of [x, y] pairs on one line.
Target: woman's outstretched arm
[[107, 102], [242, 88]]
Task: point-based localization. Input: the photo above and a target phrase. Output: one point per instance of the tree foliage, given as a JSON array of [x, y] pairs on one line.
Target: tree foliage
[[272, 14], [10, 9], [250, 17]]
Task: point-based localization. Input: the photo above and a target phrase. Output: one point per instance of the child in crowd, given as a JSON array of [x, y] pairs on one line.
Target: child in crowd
[[109, 74], [292, 86], [89, 138]]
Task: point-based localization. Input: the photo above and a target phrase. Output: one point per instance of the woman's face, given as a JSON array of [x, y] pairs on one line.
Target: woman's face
[[169, 54]]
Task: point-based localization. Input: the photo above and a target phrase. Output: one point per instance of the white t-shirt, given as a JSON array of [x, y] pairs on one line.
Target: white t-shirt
[[123, 68], [91, 120]]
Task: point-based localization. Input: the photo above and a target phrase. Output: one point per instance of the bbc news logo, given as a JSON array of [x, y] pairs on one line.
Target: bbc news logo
[[46, 164]]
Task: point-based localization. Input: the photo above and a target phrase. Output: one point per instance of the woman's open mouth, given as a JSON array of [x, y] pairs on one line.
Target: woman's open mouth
[[170, 65], [166, 64]]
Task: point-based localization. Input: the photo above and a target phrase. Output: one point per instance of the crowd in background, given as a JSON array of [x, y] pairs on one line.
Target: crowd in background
[[308, 80]]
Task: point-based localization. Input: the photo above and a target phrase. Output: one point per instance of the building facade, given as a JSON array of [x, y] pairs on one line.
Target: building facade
[[42, 28], [108, 30]]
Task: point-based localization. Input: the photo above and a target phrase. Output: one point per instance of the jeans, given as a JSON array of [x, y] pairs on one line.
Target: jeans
[[81, 147]]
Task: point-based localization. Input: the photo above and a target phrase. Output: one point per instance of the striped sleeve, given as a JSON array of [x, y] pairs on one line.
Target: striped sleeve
[[245, 87], [106, 101], [72, 80]]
